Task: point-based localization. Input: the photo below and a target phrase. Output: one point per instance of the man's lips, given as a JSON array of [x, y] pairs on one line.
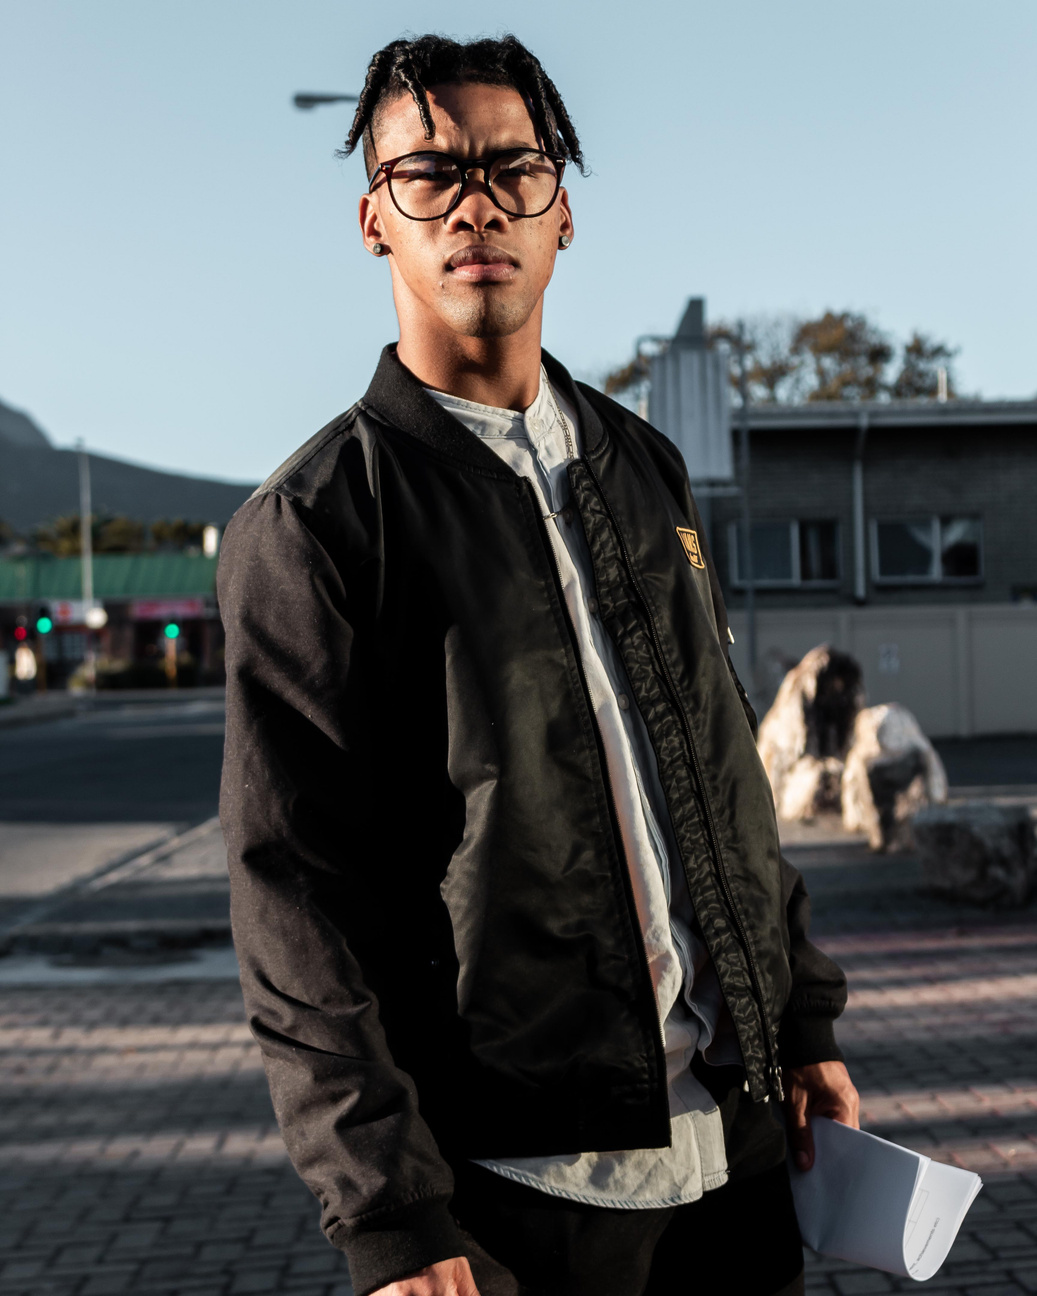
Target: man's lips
[[482, 263]]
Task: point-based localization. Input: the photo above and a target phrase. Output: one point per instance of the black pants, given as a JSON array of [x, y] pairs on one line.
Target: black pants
[[738, 1240]]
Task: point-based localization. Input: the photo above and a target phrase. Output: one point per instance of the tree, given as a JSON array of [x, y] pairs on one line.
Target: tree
[[772, 371], [770, 367], [175, 533], [119, 535], [920, 363], [839, 356], [60, 537], [626, 376], [847, 354], [109, 535]]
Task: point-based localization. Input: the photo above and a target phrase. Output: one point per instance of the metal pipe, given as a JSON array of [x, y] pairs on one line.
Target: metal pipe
[[860, 572], [745, 557]]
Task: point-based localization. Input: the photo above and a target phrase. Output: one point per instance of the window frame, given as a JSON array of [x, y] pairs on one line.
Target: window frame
[[936, 575], [795, 581]]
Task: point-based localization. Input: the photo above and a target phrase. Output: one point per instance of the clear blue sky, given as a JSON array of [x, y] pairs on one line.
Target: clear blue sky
[[182, 281]]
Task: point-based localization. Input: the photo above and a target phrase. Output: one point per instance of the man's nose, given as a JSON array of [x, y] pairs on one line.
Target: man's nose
[[476, 208]]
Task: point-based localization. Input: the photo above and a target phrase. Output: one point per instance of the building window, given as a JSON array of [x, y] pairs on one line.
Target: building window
[[925, 551], [803, 552]]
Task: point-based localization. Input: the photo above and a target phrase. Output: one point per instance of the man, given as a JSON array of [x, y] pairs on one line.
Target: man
[[527, 971]]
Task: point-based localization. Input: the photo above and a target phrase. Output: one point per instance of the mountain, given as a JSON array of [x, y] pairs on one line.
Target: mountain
[[39, 482], [18, 429]]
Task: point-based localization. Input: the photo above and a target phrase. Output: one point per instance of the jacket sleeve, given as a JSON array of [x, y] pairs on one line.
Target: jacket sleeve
[[292, 792], [807, 1031]]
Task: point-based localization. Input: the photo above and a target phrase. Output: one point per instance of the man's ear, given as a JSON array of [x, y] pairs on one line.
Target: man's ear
[[371, 226], [565, 217]]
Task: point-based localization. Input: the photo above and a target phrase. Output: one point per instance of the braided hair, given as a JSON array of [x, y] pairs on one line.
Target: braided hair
[[412, 66]]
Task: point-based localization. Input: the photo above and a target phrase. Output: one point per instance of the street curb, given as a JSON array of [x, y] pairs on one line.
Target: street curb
[[33, 933], [147, 936], [16, 715]]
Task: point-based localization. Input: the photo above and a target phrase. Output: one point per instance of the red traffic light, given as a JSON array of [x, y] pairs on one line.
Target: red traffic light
[[20, 633]]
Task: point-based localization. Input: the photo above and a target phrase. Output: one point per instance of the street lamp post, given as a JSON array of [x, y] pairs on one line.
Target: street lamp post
[[308, 101], [86, 550]]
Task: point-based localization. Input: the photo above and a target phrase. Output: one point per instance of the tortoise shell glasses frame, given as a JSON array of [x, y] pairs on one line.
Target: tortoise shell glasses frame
[[536, 184]]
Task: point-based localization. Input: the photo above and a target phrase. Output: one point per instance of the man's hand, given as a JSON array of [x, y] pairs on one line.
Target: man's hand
[[447, 1278], [822, 1089]]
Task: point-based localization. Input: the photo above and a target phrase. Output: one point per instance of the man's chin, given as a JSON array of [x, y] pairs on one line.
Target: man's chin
[[486, 315]]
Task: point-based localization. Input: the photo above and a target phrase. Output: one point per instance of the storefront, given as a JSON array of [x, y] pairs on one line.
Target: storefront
[[160, 620]]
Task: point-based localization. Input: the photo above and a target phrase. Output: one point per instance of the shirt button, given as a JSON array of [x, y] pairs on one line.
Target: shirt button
[[592, 606], [623, 702], [567, 515]]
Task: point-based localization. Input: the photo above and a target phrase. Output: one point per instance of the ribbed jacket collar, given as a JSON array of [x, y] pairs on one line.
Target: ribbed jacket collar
[[400, 399]]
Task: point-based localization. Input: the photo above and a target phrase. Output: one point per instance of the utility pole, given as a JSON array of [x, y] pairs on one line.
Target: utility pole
[[745, 546], [86, 550]]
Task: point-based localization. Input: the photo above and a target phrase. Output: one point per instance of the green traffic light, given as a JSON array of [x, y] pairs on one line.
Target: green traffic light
[[44, 624], [172, 631]]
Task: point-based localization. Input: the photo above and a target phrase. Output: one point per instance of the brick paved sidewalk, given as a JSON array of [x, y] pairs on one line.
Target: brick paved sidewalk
[[941, 1038], [138, 1152]]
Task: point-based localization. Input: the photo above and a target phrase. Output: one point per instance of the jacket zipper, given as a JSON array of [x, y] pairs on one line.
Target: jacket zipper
[[773, 1072], [545, 539]]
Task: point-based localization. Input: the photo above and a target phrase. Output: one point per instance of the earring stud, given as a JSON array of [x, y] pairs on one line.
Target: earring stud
[[378, 249], [564, 241]]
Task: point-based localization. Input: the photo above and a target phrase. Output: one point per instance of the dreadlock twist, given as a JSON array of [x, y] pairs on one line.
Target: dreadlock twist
[[411, 66]]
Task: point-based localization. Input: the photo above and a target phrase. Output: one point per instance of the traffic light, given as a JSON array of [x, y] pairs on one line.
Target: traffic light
[[20, 634], [44, 623], [172, 630]]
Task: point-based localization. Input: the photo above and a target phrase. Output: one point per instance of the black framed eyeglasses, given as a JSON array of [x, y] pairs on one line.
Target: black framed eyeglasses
[[428, 186]]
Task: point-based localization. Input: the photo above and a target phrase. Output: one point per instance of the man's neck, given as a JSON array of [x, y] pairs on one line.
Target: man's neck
[[500, 371]]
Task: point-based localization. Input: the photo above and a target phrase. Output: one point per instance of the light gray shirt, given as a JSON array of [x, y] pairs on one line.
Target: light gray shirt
[[537, 445]]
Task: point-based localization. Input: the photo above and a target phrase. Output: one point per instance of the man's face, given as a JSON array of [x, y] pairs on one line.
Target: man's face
[[432, 284]]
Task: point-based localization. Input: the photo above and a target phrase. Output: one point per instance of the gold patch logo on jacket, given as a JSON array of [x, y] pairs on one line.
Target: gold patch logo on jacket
[[690, 541]]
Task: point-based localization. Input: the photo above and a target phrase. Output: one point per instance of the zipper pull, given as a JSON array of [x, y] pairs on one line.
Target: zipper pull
[[778, 1087]]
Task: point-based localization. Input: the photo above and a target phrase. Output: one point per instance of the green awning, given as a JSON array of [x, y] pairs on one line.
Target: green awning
[[116, 576]]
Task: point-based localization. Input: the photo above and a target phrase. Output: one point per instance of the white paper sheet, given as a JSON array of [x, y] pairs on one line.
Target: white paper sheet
[[877, 1204]]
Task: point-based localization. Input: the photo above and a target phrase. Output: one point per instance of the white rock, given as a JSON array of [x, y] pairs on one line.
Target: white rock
[[891, 772]]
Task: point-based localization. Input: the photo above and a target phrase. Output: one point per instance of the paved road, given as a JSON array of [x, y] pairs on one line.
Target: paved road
[[157, 762], [81, 793]]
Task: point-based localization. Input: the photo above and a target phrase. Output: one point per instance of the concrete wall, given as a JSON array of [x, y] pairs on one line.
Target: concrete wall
[[963, 670]]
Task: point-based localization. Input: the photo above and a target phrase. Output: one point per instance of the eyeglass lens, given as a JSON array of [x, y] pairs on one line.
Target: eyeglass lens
[[425, 185]]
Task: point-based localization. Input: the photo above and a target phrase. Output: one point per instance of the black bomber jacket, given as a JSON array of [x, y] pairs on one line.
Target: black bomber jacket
[[439, 950]]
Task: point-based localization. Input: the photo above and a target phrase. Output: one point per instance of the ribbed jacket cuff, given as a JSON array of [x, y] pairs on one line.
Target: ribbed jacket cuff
[[803, 1041], [381, 1251]]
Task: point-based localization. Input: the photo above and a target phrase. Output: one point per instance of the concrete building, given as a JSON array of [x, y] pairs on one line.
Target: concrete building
[[903, 533]]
